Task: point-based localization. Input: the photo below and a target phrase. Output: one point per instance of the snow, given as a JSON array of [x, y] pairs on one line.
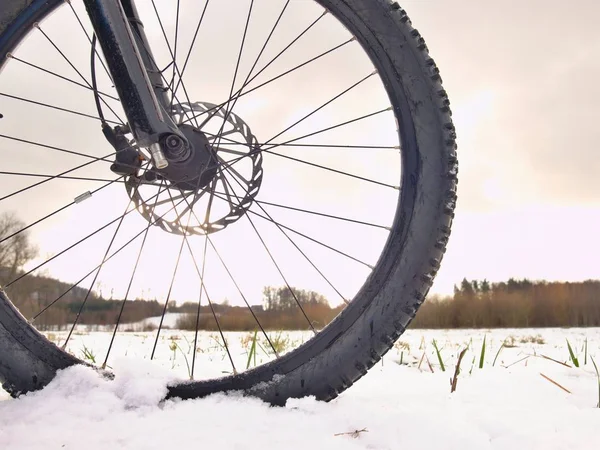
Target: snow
[[505, 406], [169, 321]]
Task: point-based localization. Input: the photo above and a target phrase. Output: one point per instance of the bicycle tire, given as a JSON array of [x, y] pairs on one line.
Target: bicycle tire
[[363, 332]]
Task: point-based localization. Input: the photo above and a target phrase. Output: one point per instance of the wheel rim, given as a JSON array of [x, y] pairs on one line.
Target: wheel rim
[[265, 202]]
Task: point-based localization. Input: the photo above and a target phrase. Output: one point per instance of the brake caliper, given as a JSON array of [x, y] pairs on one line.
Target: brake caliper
[[127, 158]]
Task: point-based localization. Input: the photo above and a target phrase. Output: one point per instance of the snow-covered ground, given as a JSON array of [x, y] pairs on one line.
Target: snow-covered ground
[[518, 401]]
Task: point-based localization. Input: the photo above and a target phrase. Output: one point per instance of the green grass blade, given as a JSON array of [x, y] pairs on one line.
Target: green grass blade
[[481, 358], [572, 355], [252, 352], [439, 356]]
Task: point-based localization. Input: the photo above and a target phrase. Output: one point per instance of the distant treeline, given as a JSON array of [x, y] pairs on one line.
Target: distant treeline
[[282, 309], [513, 304], [54, 304], [475, 304]]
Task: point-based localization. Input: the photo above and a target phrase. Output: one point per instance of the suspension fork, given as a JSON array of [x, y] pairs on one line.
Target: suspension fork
[[136, 76]]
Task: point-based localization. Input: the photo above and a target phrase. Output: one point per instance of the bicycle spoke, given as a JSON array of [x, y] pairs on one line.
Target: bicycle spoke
[[78, 72], [50, 215], [228, 150], [342, 124], [175, 68], [341, 172], [268, 150], [286, 48], [87, 295], [90, 41], [172, 84], [107, 259], [52, 177], [239, 58], [281, 273], [197, 196], [302, 234], [51, 147], [246, 81], [287, 72], [305, 256], [228, 109], [234, 172], [199, 308], [211, 136], [276, 265], [313, 240], [167, 200], [59, 149], [331, 216], [300, 250], [236, 285], [191, 46], [112, 339], [58, 108], [11, 56], [162, 318], [72, 245], [210, 202], [345, 91], [275, 352], [203, 287]]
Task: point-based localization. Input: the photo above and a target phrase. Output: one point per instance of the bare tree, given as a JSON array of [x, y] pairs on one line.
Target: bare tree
[[16, 248]]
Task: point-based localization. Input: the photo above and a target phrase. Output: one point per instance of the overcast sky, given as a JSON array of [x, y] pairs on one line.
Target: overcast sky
[[522, 77]]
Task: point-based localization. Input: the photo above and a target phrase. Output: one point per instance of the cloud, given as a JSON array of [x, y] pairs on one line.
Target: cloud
[[536, 140]]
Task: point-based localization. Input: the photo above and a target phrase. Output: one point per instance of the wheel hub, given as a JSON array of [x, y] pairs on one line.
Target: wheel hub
[[190, 167]]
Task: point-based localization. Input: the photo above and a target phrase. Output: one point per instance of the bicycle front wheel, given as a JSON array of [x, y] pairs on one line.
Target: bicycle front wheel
[[328, 208]]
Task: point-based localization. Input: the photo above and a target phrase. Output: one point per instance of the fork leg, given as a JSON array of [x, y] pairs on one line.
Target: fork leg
[[136, 77]]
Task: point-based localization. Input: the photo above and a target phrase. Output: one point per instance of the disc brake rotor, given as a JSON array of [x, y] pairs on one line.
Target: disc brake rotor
[[218, 198]]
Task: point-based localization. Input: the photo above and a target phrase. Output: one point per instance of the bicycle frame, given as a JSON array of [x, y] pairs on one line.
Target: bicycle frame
[[135, 74]]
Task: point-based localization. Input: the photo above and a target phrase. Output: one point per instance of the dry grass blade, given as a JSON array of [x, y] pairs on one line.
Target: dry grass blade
[[454, 379], [598, 377], [421, 361], [517, 362], [354, 434], [497, 354], [557, 362], [429, 363], [555, 383]]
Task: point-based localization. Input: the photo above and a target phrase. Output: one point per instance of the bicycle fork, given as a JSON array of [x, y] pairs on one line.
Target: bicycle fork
[[136, 76]]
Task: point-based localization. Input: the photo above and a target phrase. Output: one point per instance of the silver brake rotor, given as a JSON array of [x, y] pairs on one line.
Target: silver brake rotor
[[234, 187]]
